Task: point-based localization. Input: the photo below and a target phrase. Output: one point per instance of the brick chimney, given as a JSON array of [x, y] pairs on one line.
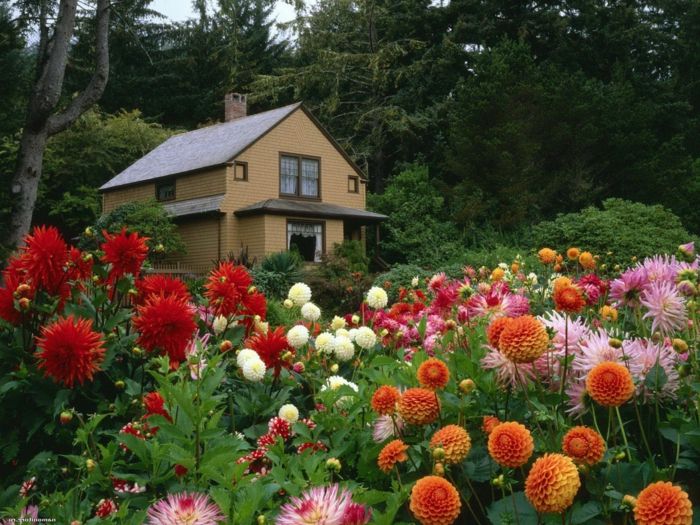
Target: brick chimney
[[234, 106]]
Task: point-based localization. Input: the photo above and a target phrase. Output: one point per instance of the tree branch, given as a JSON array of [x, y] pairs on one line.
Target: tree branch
[[93, 91]]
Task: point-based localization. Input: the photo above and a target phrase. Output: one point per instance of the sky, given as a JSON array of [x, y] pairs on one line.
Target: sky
[[179, 10]]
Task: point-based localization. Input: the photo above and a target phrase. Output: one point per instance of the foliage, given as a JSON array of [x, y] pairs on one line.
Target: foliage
[[417, 229], [277, 272], [149, 218], [627, 229]]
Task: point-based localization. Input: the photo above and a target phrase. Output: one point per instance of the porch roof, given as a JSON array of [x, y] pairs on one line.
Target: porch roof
[[198, 206], [299, 208]]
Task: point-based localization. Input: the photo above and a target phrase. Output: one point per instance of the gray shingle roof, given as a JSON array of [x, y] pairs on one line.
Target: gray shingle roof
[[309, 209], [196, 206], [201, 148]]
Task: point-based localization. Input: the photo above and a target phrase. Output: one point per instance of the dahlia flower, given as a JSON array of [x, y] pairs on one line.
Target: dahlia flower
[[272, 346], [523, 340], [219, 324], [510, 444], [454, 440], [43, 258], [594, 349], [419, 406], [552, 483], [433, 373], [254, 369], [626, 289], [584, 445], [289, 413], [508, 373], [387, 426], [377, 298], [343, 348], [298, 335], [334, 383], [365, 337], [329, 505], [384, 400], [157, 283], [69, 351], [185, 508], [643, 358], [227, 287], [126, 252], [435, 501], [610, 384], [299, 294], [244, 355], [665, 307], [393, 452], [569, 299], [547, 255], [337, 323], [105, 507], [325, 342], [663, 503], [311, 312]]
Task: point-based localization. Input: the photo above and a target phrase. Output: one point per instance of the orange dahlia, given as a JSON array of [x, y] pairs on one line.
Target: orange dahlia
[[587, 260], [510, 444], [419, 406], [569, 299], [608, 313], [523, 339], [547, 255], [610, 384], [433, 373], [573, 253], [70, 351], [663, 503], [435, 501], [489, 423], [552, 483], [454, 440], [393, 452], [384, 400], [494, 330], [583, 445], [561, 282]]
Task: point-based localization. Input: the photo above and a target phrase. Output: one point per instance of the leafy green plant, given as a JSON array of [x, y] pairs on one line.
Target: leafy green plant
[[277, 272]]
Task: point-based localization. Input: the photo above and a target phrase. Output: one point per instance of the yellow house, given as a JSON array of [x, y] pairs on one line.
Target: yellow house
[[262, 183]]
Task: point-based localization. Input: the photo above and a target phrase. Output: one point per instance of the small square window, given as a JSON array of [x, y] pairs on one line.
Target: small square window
[[353, 184], [240, 171], [165, 191]]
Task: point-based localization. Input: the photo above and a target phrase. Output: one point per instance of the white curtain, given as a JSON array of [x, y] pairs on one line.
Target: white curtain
[[309, 177], [289, 172], [306, 229]]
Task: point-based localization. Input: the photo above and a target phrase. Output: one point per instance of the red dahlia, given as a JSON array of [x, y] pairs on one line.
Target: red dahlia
[[125, 252], [79, 265], [227, 287], [43, 258], [155, 405], [165, 323], [157, 283], [271, 346], [8, 311], [70, 351]]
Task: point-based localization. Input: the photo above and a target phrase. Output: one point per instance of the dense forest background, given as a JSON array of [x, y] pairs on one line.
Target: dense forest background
[[485, 117]]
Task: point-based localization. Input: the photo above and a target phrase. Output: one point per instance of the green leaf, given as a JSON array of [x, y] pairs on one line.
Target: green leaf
[[581, 514], [503, 511], [656, 378]]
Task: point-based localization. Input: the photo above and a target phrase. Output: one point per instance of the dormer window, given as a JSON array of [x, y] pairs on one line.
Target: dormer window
[[165, 190], [299, 176]]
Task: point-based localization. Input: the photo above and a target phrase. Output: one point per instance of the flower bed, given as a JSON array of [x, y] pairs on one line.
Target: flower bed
[[563, 393]]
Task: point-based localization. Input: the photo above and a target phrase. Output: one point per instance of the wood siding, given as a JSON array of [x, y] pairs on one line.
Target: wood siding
[[201, 237]]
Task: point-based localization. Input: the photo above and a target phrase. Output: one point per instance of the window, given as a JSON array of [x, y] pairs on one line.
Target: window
[[353, 184], [240, 171], [299, 176], [165, 191], [307, 239]]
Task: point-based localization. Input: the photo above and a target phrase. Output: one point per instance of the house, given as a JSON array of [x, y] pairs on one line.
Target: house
[[263, 183]]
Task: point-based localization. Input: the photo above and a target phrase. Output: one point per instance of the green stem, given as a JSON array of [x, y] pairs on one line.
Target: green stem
[[624, 434]]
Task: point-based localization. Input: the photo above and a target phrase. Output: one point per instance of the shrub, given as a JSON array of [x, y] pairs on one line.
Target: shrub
[[147, 217], [626, 229], [277, 273]]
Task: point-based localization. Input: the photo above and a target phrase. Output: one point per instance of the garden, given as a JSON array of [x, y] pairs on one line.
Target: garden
[[560, 386]]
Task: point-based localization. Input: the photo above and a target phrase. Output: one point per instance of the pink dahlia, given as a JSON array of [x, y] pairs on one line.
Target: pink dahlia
[[497, 302], [507, 372], [386, 427], [593, 287], [185, 508], [595, 349], [661, 268], [665, 306], [322, 506], [644, 356], [626, 289], [570, 331]]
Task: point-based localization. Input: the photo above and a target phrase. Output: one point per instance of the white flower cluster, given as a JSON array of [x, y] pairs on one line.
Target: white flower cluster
[[298, 336], [377, 298], [334, 383], [251, 365], [289, 413], [365, 337], [299, 294], [337, 323]]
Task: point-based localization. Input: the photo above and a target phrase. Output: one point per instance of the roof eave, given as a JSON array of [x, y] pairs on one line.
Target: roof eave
[[102, 189], [310, 214]]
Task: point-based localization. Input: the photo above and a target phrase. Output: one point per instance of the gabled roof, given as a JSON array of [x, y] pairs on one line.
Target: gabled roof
[[300, 208], [202, 148], [198, 206], [212, 146]]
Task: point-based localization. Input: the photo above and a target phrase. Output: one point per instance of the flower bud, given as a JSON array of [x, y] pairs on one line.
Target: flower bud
[[288, 303], [498, 481], [450, 324], [137, 351], [89, 232], [439, 469], [133, 291], [334, 368], [90, 464], [261, 520], [66, 417], [615, 343], [225, 346], [23, 289], [384, 332], [287, 356], [620, 455], [466, 386], [252, 289], [333, 464], [119, 384], [680, 346], [24, 303], [160, 248], [355, 319], [299, 367], [439, 453], [219, 324], [629, 501]]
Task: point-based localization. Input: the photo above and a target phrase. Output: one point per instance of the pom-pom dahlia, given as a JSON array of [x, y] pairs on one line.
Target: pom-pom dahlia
[[547, 256], [610, 384], [185, 509], [663, 503], [494, 330], [488, 423], [69, 351], [510, 444], [552, 483], [523, 339], [419, 406], [299, 294], [583, 445], [435, 501], [393, 452], [384, 400], [454, 440], [433, 373]]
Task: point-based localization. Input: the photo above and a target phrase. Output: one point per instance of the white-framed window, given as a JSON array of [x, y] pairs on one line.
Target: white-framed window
[[306, 238]]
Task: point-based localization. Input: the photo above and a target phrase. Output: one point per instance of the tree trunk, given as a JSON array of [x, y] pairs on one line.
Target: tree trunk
[[42, 119], [25, 183]]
